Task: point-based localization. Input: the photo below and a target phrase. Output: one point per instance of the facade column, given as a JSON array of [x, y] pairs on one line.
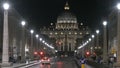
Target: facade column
[[64, 47], [60, 47], [68, 47], [71, 46], [15, 49]]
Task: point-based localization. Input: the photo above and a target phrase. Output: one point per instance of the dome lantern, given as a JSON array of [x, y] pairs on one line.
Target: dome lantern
[[66, 6]]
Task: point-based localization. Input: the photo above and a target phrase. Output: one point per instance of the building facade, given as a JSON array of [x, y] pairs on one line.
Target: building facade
[[67, 33]]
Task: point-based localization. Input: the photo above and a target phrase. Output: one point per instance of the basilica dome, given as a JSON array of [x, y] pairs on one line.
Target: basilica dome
[[66, 17], [67, 20]]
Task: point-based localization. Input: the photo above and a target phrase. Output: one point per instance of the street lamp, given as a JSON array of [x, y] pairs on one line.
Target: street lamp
[[93, 36], [31, 46], [31, 31], [93, 44], [97, 31], [40, 39], [22, 49], [36, 35], [23, 23], [104, 23], [118, 6], [105, 42], [5, 54], [6, 6], [89, 39]]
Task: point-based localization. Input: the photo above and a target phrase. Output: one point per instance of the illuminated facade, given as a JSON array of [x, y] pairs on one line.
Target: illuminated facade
[[67, 32]]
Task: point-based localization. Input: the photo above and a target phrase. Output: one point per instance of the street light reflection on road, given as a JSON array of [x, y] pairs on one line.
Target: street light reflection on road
[[59, 64], [45, 66]]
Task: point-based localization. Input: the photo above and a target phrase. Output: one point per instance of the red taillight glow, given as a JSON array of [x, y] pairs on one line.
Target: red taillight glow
[[48, 59], [41, 53], [42, 60], [35, 53]]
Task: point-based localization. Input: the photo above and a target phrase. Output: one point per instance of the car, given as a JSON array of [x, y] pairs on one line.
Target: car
[[45, 60]]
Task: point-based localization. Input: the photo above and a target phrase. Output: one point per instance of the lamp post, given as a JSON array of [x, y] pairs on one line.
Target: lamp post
[[105, 42], [23, 42], [40, 45], [5, 52], [118, 37], [31, 46], [37, 47], [89, 44], [97, 42], [93, 43]]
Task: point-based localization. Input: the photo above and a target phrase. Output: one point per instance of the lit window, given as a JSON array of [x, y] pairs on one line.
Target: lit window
[[72, 21], [56, 33], [61, 32], [75, 33], [51, 33], [69, 32], [80, 32], [81, 24], [68, 21], [60, 21], [75, 21], [87, 32]]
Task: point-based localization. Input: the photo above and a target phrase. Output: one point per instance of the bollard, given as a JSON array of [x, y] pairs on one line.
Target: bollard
[[82, 65]]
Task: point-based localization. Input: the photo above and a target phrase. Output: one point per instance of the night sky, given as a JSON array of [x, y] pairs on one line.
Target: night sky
[[42, 12]]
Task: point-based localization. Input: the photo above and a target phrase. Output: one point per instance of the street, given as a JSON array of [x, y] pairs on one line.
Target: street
[[60, 63], [59, 34]]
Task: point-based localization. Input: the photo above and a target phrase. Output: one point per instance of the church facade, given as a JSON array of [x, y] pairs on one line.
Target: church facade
[[67, 34]]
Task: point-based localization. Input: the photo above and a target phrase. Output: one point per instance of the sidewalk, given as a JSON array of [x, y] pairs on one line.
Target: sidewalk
[[97, 65], [16, 65], [79, 64]]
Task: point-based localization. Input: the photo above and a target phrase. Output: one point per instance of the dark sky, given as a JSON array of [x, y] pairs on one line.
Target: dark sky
[[43, 12]]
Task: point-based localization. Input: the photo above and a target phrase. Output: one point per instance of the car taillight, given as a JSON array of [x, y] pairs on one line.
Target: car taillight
[[48, 59], [42, 60]]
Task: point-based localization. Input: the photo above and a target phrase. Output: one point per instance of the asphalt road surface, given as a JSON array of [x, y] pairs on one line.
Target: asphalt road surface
[[58, 63], [68, 62]]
